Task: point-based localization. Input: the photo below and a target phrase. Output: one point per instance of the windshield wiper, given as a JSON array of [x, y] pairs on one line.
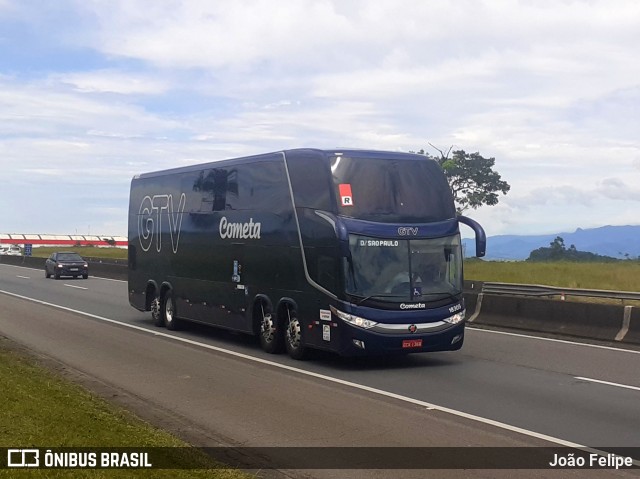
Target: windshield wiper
[[443, 293], [362, 299]]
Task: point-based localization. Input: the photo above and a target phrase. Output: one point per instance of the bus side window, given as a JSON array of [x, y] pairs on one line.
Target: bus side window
[[213, 185], [310, 181], [327, 271]]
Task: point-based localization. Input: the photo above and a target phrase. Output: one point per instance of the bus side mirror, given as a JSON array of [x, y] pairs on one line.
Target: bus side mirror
[[481, 237]]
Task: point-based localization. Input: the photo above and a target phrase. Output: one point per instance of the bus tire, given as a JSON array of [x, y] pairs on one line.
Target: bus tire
[[156, 312], [269, 332], [169, 311], [293, 332]]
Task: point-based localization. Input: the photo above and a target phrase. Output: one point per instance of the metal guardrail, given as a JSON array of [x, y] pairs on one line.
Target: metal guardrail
[[541, 290]]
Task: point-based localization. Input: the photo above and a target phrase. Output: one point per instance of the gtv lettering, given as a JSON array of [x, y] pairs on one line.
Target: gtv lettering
[[407, 231], [150, 217]]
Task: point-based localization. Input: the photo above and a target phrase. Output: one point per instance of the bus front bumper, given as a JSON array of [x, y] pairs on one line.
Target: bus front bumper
[[356, 341]]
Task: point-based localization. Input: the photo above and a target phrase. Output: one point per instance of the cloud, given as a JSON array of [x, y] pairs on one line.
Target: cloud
[[617, 189], [563, 195], [211, 34], [558, 195], [39, 108], [114, 81], [569, 36]]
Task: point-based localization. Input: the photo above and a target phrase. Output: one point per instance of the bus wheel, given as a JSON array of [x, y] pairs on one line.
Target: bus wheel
[[169, 314], [270, 334], [293, 336], [156, 313]]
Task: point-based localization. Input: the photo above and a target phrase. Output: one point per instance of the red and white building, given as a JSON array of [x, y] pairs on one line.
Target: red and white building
[[63, 240]]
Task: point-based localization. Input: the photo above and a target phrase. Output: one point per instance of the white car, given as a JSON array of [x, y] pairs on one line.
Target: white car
[[11, 250]]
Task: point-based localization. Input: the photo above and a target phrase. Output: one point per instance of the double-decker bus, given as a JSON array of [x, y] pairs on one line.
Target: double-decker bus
[[351, 251]]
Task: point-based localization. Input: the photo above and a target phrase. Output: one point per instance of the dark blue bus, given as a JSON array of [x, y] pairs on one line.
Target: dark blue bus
[[351, 251]]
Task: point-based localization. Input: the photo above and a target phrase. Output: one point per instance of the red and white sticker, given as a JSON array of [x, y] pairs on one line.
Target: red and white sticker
[[346, 197]]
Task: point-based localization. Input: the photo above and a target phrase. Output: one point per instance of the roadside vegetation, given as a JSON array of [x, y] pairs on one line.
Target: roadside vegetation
[[84, 251], [42, 409], [557, 265], [616, 276], [557, 251]]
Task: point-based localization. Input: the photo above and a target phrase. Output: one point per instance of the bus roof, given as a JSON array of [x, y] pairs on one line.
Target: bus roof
[[347, 152]]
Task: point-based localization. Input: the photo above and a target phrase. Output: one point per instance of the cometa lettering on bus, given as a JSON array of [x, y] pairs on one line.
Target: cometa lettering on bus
[[248, 230]]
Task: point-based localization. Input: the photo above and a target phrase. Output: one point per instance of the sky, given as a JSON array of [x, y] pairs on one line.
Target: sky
[[93, 92]]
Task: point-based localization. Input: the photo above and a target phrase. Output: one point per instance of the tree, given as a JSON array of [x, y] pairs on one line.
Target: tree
[[557, 251], [471, 177]]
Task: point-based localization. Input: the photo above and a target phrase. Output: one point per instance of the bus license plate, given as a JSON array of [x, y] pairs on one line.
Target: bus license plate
[[412, 343]]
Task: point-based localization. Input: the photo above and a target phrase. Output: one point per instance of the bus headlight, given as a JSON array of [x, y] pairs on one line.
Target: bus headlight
[[456, 318], [353, 319]]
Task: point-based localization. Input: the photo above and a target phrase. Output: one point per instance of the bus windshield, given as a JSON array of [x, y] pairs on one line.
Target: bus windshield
[[391, 190], [404, 270]]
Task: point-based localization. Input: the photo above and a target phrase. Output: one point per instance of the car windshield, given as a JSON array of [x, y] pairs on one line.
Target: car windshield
[[69, 257], [404, 270]]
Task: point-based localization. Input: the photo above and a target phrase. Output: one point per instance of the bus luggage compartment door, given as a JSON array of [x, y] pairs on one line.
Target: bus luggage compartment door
[[238, 293]]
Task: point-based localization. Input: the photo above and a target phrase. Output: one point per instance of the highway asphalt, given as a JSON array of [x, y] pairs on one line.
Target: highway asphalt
[[218, 388]]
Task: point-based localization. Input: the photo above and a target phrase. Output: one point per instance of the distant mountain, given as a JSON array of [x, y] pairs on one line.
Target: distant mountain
[[614, 241]]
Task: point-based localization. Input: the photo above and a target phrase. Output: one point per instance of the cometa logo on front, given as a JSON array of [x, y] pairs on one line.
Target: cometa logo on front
[[248, 230], [412, 305]]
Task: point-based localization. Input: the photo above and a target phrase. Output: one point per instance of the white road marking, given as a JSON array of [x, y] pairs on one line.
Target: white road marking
[[23, 277], [564, 341], [636, 388], [342, 382], [74, 286], [110, 279]]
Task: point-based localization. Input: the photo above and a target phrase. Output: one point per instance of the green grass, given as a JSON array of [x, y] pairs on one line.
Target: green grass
[[42, 409], [618, 276], [84, 251]]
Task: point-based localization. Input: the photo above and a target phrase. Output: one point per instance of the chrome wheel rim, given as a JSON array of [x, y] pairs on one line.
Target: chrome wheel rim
[[267, 327], [168, 310], [294, 332], [155, 308]]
